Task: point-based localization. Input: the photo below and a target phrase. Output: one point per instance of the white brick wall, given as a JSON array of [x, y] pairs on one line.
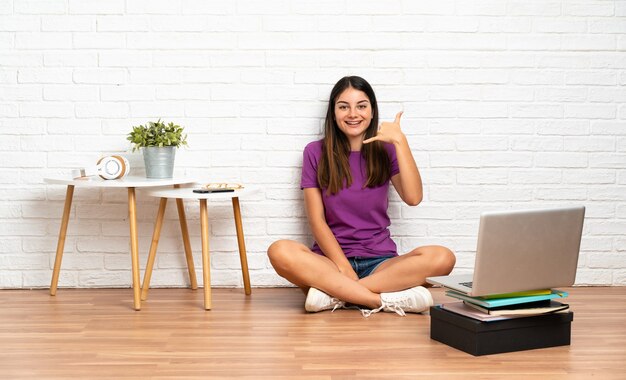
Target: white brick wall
[[508, 104]]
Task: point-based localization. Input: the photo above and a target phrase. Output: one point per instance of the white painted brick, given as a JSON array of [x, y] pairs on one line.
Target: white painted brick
[[534, 42], [497, 93], [588, 43], [153, 7], [586, 176], [566, 128], [46, 143], [603, 25], [72, 127], [163, 40], [101, 40], [621, 144], [67, 92], [174, 23], [563, 60], [46, 109], [505, 25], [597, 244], [560, 194], [104, 144], [607, 160], [40, 7], [70, 59], [538, 77], [67, 24], [207, 7], [234, 23], [95, 7], [589, 144], [482, 110], [100, 76], [11, 279], [499, 97], [536, 110], [534, 8], [586, 9], [537, 143], [534, 176], [481, 8], [593, 276], [595, 111], [593, 78], [156, 109], [127, 93], [9, 110], [607, 194], [279, 176], [110, 109], [20, 59], [20, 93], [564, 25], [6, 7], [8, 76], [482, 176], [211, 109], [454, 127], [62, 75], [123, 23], [561, 160], [481, 143], [607, 61], [564, 94], [20, 24], [48, 40], [105, 279]]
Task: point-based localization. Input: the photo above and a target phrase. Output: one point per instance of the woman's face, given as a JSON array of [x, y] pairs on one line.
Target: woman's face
[[353, 113]]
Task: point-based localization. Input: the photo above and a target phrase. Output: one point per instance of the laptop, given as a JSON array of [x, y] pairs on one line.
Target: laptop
[[522, 250]]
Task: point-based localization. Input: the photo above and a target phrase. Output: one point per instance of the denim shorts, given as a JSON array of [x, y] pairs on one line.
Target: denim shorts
[[364, 266]]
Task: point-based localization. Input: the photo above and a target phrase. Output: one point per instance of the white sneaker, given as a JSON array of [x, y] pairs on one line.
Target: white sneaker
[[414, 300], [316, 300]]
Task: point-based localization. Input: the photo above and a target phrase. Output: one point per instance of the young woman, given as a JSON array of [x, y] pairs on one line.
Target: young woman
[[345, 178]]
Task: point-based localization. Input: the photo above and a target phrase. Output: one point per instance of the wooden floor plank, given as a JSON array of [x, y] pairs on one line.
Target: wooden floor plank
[[96, 334]]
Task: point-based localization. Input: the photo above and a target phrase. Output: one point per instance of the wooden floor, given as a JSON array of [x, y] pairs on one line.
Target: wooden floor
[[94, 334]]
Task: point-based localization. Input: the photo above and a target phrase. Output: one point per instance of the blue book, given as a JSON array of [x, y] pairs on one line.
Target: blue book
[[496, 302]]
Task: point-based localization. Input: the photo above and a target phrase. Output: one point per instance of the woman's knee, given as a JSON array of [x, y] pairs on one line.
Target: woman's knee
[[281, 252], [445, 260]]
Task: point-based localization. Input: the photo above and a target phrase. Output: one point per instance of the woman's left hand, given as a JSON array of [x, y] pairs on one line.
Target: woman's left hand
[[388, 132]]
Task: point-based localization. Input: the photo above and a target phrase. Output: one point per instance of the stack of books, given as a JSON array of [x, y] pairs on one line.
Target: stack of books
[[507, 306]]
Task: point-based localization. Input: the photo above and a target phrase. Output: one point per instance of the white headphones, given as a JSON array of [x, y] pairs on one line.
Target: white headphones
[[108, 167], [113, 167]]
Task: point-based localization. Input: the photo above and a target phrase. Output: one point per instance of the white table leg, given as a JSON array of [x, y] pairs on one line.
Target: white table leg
[[69, 194], [134, 247], [206, 262]]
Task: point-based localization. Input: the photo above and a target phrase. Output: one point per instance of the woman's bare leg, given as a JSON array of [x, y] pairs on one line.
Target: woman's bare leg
[[304, 268], [410, 270]]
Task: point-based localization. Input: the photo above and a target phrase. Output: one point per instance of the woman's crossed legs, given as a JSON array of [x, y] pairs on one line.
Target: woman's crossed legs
[[298, 264]]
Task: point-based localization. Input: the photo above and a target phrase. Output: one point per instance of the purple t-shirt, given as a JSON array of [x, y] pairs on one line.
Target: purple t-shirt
[[356, 215]]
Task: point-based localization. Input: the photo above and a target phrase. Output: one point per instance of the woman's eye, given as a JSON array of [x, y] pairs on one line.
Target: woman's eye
[[362, 107]]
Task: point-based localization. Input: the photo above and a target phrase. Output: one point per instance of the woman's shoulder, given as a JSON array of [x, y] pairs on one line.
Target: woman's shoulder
[[314, 148], [390, 149]]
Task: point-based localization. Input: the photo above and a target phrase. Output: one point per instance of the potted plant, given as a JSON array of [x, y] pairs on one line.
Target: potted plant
[[159, 142]]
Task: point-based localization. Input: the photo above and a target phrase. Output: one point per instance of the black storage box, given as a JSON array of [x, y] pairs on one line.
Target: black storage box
[[484, 338]]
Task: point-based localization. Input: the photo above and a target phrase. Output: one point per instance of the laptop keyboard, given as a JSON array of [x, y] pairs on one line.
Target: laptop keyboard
[[468, 284]]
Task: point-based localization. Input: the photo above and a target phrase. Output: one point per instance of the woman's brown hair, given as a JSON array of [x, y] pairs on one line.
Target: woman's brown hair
[[334, 168]]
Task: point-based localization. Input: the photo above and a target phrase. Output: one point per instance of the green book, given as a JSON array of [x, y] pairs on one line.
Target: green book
[[496, 302]]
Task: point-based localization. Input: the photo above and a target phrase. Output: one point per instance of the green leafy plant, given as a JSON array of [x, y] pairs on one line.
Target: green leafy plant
[[157, 134]]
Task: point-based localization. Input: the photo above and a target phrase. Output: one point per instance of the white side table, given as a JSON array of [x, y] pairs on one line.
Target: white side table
[[130, 182], [187, 193]]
